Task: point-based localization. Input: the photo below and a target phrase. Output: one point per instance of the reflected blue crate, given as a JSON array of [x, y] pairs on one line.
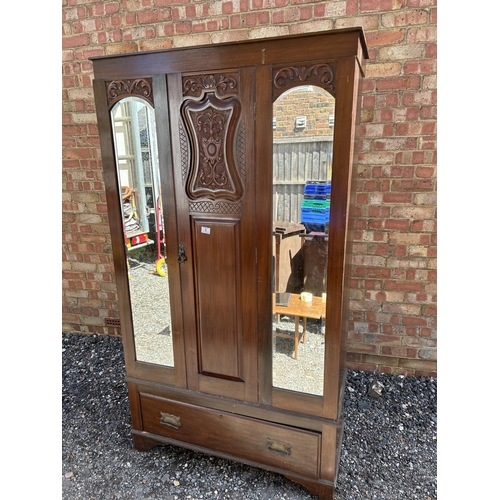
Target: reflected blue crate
[[316, 220], [315, 203], [317, 188], [315, 215], [315, 211]]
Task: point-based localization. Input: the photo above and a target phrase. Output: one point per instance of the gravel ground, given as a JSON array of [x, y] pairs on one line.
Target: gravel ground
[[388, 451]]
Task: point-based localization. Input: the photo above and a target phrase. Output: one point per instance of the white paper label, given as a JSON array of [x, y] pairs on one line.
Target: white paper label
[[205, 230]]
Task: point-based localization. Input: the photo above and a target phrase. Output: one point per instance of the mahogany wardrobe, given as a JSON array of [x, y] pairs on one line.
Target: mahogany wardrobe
[[229, 172]]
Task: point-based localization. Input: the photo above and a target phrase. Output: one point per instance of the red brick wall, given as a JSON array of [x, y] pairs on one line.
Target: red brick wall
[[315, 106], [393, 301]]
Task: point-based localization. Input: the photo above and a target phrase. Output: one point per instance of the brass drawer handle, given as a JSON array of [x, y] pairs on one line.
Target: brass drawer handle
[[170, 420], [279, 447]]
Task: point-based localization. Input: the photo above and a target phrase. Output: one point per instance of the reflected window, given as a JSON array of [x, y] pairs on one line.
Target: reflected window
[[138, 171], [302, 164]]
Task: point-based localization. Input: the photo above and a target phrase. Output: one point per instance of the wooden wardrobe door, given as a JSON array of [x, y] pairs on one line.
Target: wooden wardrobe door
[[215, 198]]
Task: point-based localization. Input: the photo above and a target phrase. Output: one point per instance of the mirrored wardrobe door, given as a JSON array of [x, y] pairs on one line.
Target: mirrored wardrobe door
[[135, 141], [303, 118]]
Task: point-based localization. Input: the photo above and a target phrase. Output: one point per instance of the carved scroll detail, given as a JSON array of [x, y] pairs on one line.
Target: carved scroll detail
[[211, 125], [209, 206], [322, 75], [222, 85], [141, 87]]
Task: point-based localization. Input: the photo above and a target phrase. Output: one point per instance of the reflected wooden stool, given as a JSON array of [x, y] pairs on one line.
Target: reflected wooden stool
[[300, 309]]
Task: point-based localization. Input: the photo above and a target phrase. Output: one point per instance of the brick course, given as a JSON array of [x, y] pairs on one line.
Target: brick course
[[392, 324]]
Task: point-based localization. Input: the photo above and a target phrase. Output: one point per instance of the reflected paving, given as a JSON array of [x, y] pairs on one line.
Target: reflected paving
[[306, 373], [150, 310]]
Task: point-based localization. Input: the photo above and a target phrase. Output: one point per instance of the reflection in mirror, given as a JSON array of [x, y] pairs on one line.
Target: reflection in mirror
[[302, 160], [138, 170]]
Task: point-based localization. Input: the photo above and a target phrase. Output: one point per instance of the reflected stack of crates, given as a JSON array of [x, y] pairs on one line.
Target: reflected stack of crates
[[315, 208]]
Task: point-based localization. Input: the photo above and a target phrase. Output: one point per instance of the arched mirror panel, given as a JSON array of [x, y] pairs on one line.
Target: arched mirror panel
[[136, 153], [303, 118]]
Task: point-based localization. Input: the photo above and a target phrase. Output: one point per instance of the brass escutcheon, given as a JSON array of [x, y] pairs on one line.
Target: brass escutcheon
[[170, 420], [279, 447]]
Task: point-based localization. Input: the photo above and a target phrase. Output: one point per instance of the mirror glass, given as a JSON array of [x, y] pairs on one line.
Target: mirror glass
[[302, 161], [138, 171]]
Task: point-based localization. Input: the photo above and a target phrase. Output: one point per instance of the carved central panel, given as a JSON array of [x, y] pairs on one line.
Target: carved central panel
[[211, 127]]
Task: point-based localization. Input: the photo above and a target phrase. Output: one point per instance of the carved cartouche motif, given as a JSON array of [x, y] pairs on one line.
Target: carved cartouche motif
[[211, 126]]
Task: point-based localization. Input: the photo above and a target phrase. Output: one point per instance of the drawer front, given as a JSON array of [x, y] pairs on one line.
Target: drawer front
[[265, 443]]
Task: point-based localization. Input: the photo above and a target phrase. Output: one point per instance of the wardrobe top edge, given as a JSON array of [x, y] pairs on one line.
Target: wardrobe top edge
[[258, 41]]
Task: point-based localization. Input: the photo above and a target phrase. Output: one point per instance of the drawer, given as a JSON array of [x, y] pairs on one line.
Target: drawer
[[250, 439]]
